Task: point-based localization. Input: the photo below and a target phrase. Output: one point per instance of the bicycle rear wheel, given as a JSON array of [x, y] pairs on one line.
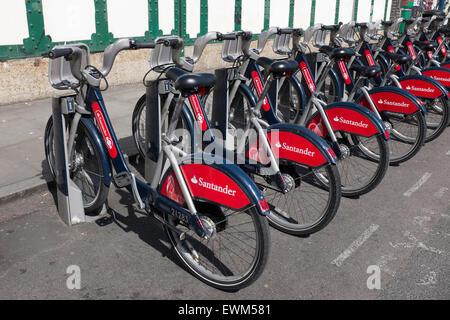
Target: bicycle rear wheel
[[234, 256]]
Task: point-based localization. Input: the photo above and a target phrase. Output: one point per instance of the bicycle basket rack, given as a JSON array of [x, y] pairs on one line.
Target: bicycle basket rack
[[373, 29], [161, 55], [281, 44], [232, 49], [347, 32], [393, 31], [316, 34], [59, 72]]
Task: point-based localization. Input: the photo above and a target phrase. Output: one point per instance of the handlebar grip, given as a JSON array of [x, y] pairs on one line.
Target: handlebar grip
[[387, 23], [331, 27], [228, 36], [285, 30], [58, 52], [143, 45], [361, 24]]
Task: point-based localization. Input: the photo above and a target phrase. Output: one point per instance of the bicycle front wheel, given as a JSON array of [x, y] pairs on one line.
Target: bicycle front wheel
[[311, 203], [85, 166], [437, 117], [407, 135], [364, 164], [234, 256]]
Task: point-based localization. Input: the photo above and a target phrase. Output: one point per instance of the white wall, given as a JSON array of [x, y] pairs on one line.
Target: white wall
[[279, 13], [13, 22], [325, 11], [125, 20], [302, 13], [378, 10], [363, 14], [220, 15], [346, 9], [166, 16], [69, 20], [193, 18]]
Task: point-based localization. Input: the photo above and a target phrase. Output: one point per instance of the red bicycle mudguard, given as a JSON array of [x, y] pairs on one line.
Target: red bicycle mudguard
[[445, 64], [348, 117], [289, 146], [392, 99], [422, 88], [207, 183], [442, 75]]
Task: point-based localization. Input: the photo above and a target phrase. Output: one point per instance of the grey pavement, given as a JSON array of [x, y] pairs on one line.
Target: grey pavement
[[398, 228], [22, 157]]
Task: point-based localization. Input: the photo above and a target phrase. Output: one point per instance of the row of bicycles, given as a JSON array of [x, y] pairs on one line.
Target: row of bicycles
[[261, 142]]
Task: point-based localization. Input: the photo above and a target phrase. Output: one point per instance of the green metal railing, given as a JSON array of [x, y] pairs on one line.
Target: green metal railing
[[39, 42]]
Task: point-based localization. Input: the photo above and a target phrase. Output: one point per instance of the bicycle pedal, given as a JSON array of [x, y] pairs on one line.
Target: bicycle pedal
[[104, 221], [122, 179]]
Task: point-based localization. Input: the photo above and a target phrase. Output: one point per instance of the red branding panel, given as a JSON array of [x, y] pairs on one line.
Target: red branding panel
[[421, 88], [308, 78], [443, 50], [198, 112], [259, 89], [104, 130], [344, 119], [208, 183], [390, 101], [344, 72], [290, 146], [442, 76], [287, 145], [391, 50], [410, 47], [369, 58]]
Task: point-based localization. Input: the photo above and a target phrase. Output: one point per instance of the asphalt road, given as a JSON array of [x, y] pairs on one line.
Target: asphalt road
[[402, 228]]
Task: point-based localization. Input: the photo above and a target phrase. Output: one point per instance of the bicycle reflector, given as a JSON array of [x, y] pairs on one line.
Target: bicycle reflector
[[331, 153], [263, 205]]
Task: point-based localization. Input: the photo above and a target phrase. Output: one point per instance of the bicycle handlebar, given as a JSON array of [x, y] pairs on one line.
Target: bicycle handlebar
[[74, 54]]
